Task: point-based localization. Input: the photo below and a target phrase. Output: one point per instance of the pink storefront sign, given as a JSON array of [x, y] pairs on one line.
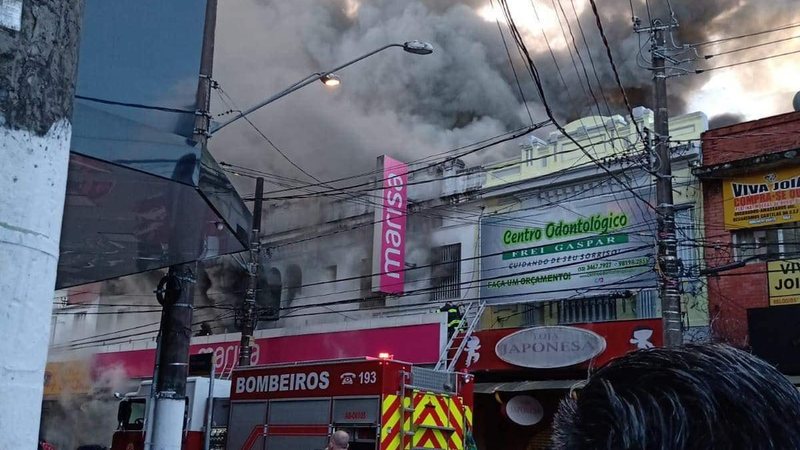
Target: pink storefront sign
[[389, 238], [418, 344]]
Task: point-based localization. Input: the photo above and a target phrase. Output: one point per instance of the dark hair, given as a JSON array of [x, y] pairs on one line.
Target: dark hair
[[692, 397]]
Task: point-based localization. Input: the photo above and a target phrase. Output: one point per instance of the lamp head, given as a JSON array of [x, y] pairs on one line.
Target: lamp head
[[418, 47], [330, 79]]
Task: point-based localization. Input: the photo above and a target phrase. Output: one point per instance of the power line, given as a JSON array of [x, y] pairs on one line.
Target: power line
[[344, 230], [91, 340], [747, 62], [586, 75], [626, 285], [566, 43], [580, 59], [126, 338], [428, 213], [750, 47], [124, 312], [411, 163], [134, 105], [370, 185], [599, 24], [370, 188], [591, 58], [433, 265], [550, 49], [621, 284], [548, 109], [758, 33], [511, 63], [221, 92], [604, 257], [268, 140], [504, 223]]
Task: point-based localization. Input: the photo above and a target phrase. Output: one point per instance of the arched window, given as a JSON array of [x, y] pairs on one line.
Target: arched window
[[268, 299], [294, 281]]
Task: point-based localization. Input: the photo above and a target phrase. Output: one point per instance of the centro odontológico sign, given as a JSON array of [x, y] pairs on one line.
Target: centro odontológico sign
[[582, 248]]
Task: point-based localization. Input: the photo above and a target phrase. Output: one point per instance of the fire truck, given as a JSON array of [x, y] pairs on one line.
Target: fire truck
[[132, 412], [382, 404]]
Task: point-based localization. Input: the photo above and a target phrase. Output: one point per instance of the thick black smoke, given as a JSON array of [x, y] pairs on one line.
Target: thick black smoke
[[724, 120], [412, 106]]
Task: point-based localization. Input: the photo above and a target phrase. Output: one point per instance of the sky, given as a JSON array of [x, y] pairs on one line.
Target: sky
[[413, 106]]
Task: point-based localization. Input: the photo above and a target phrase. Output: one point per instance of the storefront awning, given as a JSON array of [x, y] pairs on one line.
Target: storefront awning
[[143, 192], [520, 386]]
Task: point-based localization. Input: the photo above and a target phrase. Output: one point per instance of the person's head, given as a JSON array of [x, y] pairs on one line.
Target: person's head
[[339, 441], [692, 397]]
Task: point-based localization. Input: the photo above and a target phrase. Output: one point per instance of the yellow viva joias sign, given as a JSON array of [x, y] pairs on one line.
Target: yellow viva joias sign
[[784, 282], [69, 377], [768, 198]]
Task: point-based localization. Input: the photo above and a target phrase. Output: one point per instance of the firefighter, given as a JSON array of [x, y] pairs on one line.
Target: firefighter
[[339, 441], [453, 317], [205, 330]]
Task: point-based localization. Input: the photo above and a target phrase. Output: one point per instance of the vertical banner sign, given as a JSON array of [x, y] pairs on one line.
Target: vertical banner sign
[[586, 247], [389, 234], [769, 198], [784, 282]]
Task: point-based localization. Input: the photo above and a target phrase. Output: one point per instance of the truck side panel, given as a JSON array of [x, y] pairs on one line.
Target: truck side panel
[[245, 416]]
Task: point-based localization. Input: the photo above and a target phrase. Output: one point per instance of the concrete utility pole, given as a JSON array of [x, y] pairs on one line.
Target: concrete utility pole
[[173, 355], [667, 239], [249, 306], [38, 60], [176, 290]]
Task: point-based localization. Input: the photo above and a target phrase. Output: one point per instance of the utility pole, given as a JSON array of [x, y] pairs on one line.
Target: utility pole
[[176, 294], [249, 307], [39, 43], [176, 290], [667, 262]]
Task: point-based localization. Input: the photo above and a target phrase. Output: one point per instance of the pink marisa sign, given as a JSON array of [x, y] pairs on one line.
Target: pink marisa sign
[[389, 238]]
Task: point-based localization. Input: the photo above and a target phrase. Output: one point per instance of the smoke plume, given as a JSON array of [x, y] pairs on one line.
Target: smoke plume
[[73, 419], [412, 106]]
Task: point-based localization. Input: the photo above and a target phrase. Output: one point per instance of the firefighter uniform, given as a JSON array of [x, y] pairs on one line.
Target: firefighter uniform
[[453, 316]]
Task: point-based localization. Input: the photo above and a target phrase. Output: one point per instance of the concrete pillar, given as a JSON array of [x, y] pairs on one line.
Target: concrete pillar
[[38, 56]]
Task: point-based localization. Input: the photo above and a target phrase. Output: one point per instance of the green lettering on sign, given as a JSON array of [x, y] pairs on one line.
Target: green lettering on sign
[[568, 246]]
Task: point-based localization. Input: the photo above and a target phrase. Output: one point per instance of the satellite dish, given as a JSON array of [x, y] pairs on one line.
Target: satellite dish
[[796, 102]]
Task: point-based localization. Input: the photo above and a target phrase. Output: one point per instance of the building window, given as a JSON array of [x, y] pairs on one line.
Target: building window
[[294, 281], [544, 155], [446, 272], [330, 273], [366, 277], [528, 156], [781, 242], [369, 299], [784, 242], [587, 310], [747, 244]]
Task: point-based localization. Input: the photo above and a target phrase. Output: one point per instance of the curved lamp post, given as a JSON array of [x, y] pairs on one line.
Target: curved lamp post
[[328, 77]]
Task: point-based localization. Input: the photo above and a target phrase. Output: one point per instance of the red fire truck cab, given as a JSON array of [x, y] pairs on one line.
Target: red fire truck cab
[[132, 412], [382, 404]]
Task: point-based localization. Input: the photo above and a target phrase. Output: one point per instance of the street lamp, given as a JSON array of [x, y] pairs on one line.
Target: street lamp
[[328, 77]]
